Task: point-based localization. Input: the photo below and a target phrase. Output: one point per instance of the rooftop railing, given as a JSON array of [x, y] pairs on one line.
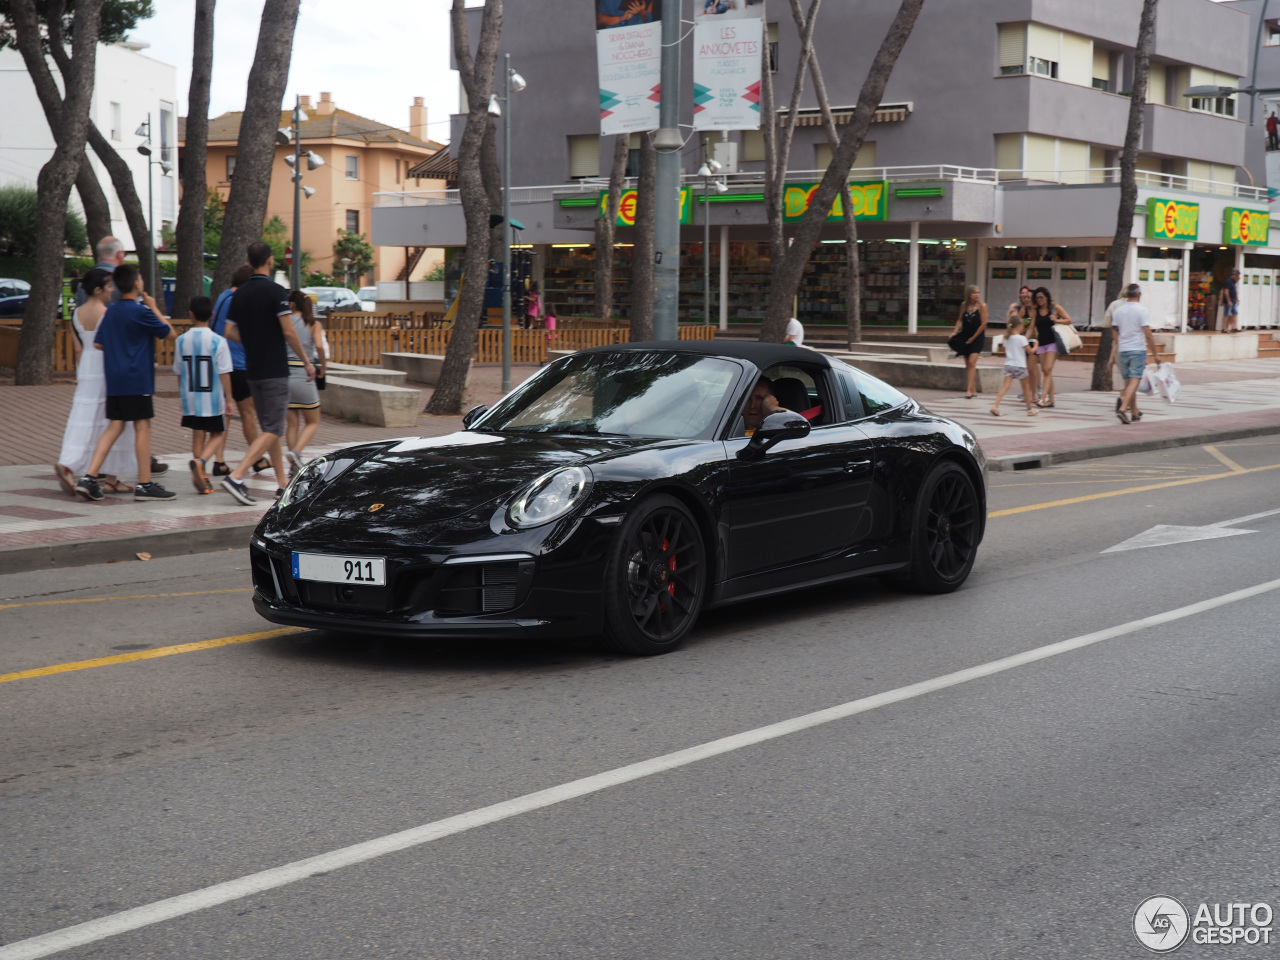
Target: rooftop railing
[[899, 174]]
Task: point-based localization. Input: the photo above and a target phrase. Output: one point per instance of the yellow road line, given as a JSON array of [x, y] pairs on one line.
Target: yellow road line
[[1223, 459], [146, 654], [1120, 493], [141, 596]]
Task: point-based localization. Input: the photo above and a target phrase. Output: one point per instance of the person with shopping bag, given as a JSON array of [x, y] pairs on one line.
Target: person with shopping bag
[[1132, 342]]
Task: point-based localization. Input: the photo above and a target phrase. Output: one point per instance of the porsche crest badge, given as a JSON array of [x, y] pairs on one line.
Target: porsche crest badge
[[374, 508]]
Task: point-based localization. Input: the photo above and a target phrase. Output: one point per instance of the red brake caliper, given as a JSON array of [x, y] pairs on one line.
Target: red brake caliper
[[671, 565]]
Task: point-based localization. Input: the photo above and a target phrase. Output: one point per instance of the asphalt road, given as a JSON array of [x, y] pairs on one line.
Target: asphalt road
[[1025, 809]]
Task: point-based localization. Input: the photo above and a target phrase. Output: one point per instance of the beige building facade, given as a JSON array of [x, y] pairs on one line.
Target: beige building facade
[[362, 157]]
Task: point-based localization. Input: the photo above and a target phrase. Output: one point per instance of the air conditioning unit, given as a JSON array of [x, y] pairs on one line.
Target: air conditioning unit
[[725, 153]]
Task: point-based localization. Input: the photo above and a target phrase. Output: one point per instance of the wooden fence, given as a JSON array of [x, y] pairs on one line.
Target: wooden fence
[[365, 347], [382, 321]]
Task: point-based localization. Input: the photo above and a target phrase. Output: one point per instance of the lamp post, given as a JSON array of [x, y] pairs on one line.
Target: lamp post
[[511, 81], [285, 136], [166, 167], [707, 171]]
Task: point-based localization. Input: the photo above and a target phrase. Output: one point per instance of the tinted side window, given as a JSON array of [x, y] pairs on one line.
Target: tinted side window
[[849, 393], [877, 395]]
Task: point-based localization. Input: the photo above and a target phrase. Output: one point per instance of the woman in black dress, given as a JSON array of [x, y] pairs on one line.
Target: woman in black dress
[[1047, 313], [969, 335]]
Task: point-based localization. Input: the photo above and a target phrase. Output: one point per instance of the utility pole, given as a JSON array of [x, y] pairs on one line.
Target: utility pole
[[295, 277], [669, 143]]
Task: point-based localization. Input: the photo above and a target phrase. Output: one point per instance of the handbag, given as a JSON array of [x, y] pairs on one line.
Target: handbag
[[1068, 340], [957, 344]]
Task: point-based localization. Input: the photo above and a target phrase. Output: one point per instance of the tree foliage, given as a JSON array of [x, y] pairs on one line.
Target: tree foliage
[[118, 18], [354, 247], [19, 219], [215, 211]]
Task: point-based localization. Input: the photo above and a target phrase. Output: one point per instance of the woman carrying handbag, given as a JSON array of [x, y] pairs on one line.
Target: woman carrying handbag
[[969, 336]]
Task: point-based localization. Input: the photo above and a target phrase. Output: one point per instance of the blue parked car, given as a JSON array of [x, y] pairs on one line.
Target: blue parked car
[[13, 297]]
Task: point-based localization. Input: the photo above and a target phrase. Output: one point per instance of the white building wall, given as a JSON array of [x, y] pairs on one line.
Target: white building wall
[[138, 84]]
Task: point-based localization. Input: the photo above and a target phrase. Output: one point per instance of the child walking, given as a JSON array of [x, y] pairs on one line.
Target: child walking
[[1015, 366], [202, 361]]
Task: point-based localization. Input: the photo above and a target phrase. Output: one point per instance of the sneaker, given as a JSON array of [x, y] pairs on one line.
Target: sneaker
[[198, 478], [158, 467], [152, 491], [238, 490], [295, 459], [88, 488], [220, 469]]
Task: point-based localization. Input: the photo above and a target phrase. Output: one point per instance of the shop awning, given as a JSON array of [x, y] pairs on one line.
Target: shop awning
[[885, 113]]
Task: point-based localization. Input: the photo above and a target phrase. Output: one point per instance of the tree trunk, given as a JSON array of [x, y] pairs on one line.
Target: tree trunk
[[190, 239], [120, 172], [642, 252], [785, 277], [35, 344], [1119, 253], [97, 211], [491, 171], [477, 79], [605, 226], [256, 150], [853, 264]]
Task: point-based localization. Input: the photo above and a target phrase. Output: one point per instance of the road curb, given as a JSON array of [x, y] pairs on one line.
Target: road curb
[[79, 553], [1028, 461]]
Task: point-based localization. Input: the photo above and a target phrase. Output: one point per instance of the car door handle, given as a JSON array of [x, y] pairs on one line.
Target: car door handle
[[856, 467]]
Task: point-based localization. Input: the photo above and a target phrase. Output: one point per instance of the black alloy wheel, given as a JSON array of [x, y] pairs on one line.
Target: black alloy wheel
[[655, 580], [944, 541]]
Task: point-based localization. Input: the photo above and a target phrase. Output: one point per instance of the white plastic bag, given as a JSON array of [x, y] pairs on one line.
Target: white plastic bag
[[1166, 382], [1148, 382]]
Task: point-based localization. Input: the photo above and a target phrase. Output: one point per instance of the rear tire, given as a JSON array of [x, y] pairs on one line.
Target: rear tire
[[655, 579], [945, 530]]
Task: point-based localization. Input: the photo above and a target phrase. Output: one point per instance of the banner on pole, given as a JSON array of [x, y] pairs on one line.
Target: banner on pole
[[629, 57], [728, 38]]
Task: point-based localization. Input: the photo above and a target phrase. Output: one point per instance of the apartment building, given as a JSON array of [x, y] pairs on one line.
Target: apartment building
[[994, 147]]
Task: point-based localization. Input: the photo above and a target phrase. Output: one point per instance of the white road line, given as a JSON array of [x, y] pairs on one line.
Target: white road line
[[254, 883]]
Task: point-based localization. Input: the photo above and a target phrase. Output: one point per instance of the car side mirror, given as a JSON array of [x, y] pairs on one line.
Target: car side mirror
[[776, 427], [472, 415]]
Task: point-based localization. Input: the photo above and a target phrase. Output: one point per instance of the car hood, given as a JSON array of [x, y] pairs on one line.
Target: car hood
[[432, 479]]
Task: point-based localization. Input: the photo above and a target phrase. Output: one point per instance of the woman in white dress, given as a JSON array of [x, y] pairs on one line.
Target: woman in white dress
[[89, 407]]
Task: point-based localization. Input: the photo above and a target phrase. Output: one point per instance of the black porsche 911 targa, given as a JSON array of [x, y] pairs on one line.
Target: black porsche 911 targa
[[620, 492]]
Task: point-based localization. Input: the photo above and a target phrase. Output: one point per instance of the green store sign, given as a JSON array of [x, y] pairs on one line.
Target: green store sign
[[1171, 220], [1245, 228], [868, 201]]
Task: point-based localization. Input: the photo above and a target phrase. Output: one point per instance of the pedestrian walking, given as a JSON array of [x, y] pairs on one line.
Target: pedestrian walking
[[795, 332], [239, 380], [1047, 314], [970, 336], [1273, 132], [88, 418], [202, 361], [110, 254], [1024, 309], [261, 320], [304, 397], [1015, 366], [533, 306], [127, 336], [1132, 343], [1231, 303]]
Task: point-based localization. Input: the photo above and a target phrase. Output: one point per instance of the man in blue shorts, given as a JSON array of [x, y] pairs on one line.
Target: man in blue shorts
[[1132, 342]]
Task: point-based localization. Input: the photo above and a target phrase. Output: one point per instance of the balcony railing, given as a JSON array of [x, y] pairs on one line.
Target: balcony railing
[[900, 174]]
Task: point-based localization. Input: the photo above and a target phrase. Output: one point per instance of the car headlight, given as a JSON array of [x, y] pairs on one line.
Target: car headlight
[[305, 482], [550, 497]]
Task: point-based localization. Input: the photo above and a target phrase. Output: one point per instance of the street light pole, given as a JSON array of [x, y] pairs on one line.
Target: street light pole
[[295, 279], [669, 143], [506, 223], [151, 219]]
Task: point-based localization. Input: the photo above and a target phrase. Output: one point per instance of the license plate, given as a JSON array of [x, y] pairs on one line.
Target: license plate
[[368, 571]]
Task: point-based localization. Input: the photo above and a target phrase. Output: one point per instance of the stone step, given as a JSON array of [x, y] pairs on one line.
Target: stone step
[[909, 372], [374, 403]]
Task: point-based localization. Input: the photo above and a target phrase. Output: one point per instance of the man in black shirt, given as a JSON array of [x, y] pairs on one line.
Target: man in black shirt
[[260, 320]]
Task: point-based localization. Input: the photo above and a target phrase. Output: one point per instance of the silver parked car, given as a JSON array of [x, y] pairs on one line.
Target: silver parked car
[[333, 300]]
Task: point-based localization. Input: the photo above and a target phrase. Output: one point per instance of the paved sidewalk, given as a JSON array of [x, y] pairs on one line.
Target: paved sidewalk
[[41, 526]]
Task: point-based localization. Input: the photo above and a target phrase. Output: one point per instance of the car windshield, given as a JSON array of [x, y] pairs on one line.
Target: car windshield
[[664, 395]]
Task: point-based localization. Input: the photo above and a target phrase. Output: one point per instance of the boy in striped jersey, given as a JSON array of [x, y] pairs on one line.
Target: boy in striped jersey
[[202, 361]]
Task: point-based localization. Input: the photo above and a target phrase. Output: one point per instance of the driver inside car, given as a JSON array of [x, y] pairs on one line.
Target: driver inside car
[[760, 404]]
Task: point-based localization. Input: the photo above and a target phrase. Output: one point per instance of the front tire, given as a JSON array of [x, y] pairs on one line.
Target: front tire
[[655, 580], [945, 531]]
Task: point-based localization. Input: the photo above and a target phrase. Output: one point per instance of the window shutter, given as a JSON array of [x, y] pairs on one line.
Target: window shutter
[[584, 155], [1013, 45], [1044, 42], [752, 145], [822, 156]]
